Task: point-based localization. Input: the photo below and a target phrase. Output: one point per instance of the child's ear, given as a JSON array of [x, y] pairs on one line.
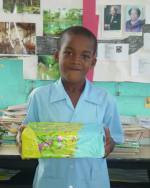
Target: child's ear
[[56, 56], [93, 62]]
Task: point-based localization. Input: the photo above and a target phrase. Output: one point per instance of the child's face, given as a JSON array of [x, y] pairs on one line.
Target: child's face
[[76, 58]]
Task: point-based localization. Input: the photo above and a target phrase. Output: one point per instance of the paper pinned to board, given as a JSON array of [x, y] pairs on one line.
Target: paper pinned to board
[[140, 64], [30, 67], [113, 52], [146, 41]]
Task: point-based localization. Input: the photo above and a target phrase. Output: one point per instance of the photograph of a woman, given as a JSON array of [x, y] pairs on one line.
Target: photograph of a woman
[[134, 19]]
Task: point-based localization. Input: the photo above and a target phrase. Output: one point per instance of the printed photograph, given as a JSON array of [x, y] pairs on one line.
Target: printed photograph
[[47, 68], [22, 6], [134, 19], [46, 45], [54, 22], [112, 17], [17, 38]]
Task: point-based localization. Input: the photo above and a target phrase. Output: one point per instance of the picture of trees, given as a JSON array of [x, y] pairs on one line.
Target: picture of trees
[[47, 68], [22, 6], [54, 22], [46, 45], [17, 38]]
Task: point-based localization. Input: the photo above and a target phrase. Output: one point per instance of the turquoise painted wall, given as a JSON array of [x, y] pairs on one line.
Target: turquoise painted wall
[[15, 90]]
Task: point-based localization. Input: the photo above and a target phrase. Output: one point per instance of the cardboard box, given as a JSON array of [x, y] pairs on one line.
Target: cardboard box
[[62, 140]]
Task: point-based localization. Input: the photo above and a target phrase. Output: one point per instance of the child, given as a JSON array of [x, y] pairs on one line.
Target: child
[[74, 99]]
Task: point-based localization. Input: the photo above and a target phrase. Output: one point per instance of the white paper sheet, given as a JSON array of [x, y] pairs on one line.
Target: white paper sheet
[[30, 67], [144, 65], [111, 71], [141, 64], [137, 69], [147, 15], [107, 34], [134, 64], [140, 67], [146, 41], [113, 52]]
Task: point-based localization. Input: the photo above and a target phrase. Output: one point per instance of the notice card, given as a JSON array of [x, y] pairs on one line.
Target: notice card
[[113, 52]]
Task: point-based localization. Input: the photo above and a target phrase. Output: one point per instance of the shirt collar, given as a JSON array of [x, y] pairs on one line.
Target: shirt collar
[[58, 92], [90, 95]]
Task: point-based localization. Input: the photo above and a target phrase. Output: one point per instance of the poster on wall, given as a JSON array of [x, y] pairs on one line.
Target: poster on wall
[[124, 41], [46, 45], [120, 19], [113, 52], [57, 17], [43, 67], [17, 38], [110, 22], [22, 11], [134, 19], [21, 6], [112, 17], [47, 68]]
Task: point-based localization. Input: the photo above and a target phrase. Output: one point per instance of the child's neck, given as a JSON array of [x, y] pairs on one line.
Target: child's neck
[[74, 91]]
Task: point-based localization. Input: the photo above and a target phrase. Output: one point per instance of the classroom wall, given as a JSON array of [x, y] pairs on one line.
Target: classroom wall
[[15, 90]]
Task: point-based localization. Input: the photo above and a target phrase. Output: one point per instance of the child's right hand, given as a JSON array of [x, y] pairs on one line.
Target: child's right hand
[[18, 138], [109, 142]]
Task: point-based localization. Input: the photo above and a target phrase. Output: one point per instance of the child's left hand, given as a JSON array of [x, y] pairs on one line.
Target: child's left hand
[[109, 142], [18, 138]]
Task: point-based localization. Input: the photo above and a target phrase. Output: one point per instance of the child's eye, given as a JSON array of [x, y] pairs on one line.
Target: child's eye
[[68, 53], [86, 57]]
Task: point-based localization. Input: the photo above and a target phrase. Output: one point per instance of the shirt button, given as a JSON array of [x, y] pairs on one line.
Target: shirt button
[[70, 186]]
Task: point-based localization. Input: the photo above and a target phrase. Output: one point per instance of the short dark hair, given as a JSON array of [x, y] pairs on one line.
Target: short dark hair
[[78, 30], [137, 10]]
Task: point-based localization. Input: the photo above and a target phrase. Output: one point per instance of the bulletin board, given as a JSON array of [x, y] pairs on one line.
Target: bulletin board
[[29, 37], [124, 41]]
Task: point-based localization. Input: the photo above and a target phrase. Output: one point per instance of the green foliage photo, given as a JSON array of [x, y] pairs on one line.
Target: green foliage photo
[[21, 6], [48, 68], [54, 22]]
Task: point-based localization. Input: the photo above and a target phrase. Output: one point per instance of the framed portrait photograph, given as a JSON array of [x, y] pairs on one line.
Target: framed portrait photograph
[[110, 22], [134, 19], [112, 17]]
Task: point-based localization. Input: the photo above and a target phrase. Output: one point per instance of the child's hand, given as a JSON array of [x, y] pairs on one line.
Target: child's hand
[[109, 142], [18, 138]]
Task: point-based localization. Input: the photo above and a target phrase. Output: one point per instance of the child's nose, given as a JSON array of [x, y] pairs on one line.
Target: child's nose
[[77, 59]]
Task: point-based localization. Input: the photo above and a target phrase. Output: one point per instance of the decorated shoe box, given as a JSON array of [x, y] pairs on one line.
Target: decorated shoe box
[[62, 140]]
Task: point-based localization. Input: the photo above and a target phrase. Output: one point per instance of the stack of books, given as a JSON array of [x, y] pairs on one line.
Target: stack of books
[[10, 119], [133, 135]]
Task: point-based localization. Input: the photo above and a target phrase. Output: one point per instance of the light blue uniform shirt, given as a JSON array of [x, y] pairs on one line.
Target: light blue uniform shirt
[[52, 104]]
